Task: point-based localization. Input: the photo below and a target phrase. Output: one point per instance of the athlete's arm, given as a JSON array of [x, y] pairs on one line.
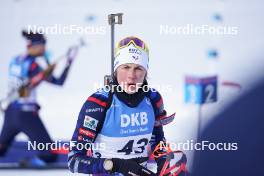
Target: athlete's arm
[[80, 157]]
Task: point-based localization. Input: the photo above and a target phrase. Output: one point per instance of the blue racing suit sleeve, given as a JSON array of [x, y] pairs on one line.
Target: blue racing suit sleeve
[[60, 81], [158, 106], [80, 157], [158, 133], [36, 69]]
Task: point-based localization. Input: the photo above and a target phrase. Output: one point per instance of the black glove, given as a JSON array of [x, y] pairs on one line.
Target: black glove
[[160, 163], [130, 168]]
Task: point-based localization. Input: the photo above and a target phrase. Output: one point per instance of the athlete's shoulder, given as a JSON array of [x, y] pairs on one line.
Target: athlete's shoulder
[[17, 59], [155, 96], [100, 97]]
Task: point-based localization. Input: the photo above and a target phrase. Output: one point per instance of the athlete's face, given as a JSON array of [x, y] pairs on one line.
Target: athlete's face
[[130, 77], [37, 50]]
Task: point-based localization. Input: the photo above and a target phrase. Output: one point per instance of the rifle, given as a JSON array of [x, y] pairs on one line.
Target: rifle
[[112, 20]]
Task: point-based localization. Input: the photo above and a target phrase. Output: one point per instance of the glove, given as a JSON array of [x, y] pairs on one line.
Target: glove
[[130, 168], [71, 54], [23, 91], [48, 71], [160, 163]]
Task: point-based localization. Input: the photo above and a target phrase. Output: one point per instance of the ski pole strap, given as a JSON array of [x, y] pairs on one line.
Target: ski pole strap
[[172, 169], [176, 168]]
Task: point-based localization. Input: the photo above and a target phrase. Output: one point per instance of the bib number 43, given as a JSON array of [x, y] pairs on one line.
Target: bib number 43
[[132, 147]]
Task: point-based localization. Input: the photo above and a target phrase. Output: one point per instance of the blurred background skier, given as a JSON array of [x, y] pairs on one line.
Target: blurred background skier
[[22, 113]]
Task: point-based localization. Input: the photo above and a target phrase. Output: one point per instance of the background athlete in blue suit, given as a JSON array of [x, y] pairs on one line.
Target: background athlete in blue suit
[[22, 114]]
